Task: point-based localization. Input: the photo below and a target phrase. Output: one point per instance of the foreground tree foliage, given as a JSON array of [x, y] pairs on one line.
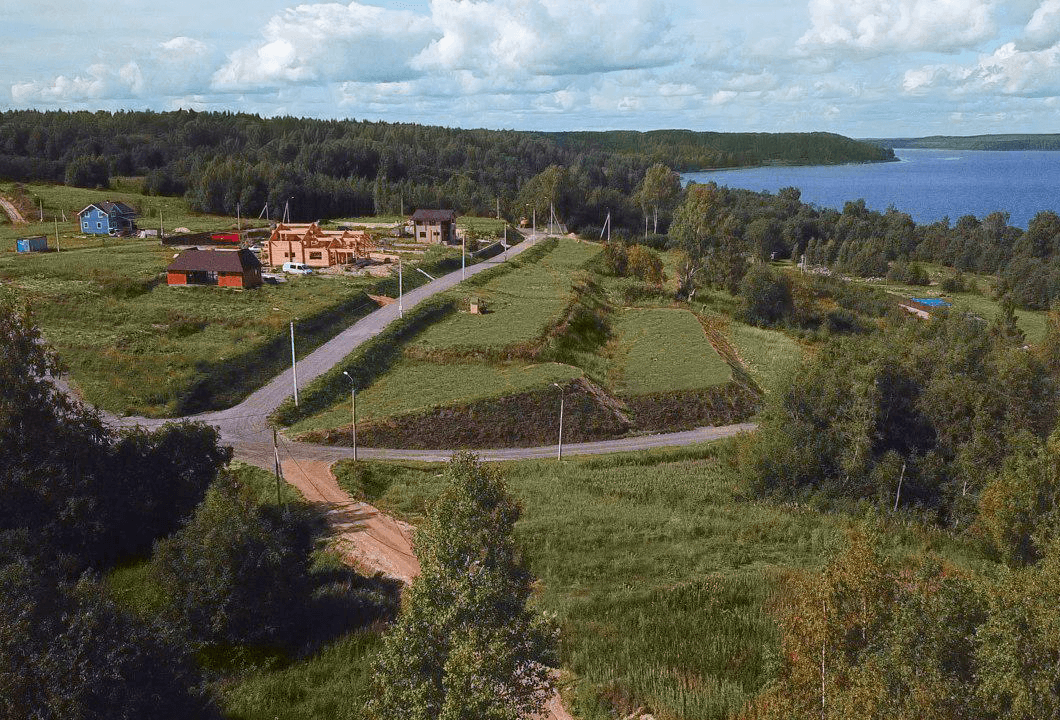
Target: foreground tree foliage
[[75, 484], [66, 651], [869, 637], [238, 571], [466, 645]]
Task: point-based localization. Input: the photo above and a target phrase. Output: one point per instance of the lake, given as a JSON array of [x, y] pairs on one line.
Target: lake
[[927, 184]]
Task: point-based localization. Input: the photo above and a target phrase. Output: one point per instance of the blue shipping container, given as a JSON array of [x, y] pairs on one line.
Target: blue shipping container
[[32, 244]]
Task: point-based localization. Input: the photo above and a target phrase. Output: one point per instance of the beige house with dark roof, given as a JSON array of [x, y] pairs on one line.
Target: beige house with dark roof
[[434, 226]]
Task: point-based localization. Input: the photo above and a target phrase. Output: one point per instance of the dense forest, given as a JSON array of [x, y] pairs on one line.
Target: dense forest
[[688, 151], [339, 168], [973, 142]]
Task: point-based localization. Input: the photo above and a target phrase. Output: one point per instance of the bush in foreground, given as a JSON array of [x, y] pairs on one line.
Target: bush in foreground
[[238, 572]]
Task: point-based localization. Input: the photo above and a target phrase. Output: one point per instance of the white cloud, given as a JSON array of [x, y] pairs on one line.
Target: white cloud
[[1007, 71], [98, 82], [1043, 29], [874, 27], [329, 42], [514, 38]]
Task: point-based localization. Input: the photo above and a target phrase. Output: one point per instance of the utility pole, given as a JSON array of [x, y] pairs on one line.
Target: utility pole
[[276, 454], [401, 292], [56, 234], [294, 367], [353, 412], [239, 220], [41, 209], [498, 208], [559, 447], [161, 231], [463, 254]]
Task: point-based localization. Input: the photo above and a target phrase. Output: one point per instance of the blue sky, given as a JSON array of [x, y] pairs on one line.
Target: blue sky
[[858, 67]]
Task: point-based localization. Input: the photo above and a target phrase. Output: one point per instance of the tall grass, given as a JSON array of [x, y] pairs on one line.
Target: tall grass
[[661, 570]]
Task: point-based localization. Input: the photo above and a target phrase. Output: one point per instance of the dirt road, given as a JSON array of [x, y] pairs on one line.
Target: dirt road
[[369, 539], [12, 212]]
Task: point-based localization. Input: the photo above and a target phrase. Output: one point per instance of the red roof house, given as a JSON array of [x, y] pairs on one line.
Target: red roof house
[[226, 268]]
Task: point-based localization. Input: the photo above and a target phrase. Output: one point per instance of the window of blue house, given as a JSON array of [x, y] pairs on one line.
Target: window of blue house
[[99, 225]]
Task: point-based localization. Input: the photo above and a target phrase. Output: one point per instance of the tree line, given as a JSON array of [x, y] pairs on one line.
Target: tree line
[[337, 168]]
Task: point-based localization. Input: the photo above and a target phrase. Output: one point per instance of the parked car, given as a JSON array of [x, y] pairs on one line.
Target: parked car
[[297, 268]]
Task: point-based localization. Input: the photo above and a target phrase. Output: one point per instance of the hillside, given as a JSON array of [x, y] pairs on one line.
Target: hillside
[[224, 162], [687, 150], [973, 142]]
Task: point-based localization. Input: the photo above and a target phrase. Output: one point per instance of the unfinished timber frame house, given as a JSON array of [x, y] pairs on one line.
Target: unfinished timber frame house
[[311, 245]]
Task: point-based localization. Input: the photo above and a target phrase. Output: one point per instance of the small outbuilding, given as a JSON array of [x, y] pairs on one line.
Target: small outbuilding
[[225, 268], [38, 243], [434, 226]]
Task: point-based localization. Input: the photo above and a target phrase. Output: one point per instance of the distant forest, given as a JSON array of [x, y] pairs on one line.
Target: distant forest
[[339, 168], [973, 142], [687, 151]]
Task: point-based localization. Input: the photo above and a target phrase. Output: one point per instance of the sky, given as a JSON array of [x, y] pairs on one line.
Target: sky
[[863, 68]]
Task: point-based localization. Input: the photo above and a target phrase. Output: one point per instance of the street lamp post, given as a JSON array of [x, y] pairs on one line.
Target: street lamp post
[[294, 367], [559, 447], [353, 411]]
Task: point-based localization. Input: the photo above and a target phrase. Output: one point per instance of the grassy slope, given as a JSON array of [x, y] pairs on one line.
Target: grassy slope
[[59, 199], [661, 349], [520, 304], [413, 385], [660, 569]]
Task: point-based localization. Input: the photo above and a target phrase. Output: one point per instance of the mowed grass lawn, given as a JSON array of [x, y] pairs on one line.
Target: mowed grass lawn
[[659, 567], [520, 304], [768, 355], [134, 345], [662, 349], [413, 385]]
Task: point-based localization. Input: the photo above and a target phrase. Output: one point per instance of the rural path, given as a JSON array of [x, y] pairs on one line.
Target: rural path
[[12, 212]]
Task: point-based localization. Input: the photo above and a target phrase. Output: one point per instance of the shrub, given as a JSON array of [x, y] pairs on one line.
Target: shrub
[[908, 273], [66, 651], [238, 572], [766, 296], [645, 264]]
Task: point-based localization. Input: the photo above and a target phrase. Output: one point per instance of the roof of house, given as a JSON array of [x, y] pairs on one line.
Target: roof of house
[[195, 260], [107, 206], [434, 216]]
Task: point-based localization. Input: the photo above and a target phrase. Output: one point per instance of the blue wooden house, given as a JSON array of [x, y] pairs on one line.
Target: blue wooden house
[[108, 218]]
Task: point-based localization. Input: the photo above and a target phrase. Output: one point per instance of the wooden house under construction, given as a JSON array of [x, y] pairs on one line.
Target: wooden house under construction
[[311, 245]]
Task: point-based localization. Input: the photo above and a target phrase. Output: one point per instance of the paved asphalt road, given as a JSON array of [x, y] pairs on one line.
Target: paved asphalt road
[[245, 426]]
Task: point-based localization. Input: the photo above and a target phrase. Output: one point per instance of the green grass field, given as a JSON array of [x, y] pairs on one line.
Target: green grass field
[[136, 346], [60, 199], [660, 569], [768, 355], [521, 304], [981, 303], [659, 349], [413, 385]]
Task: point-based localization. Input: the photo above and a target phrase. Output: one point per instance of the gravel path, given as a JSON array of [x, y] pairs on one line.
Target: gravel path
[[12, 212]]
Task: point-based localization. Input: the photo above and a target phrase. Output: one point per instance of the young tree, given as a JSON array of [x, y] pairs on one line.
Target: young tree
[[659, 189], [467, 646], [766, 296]]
